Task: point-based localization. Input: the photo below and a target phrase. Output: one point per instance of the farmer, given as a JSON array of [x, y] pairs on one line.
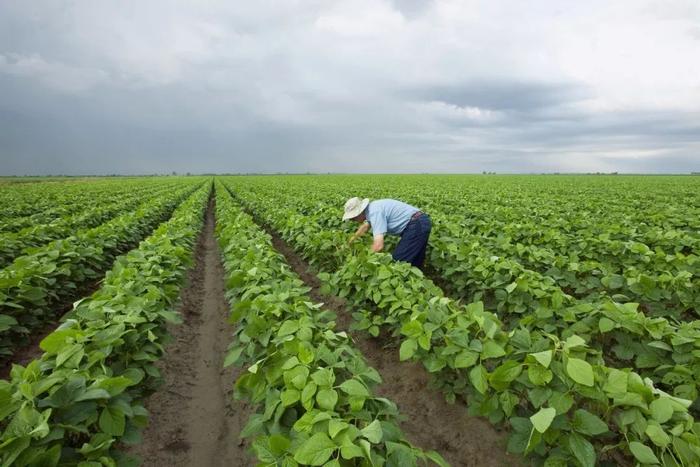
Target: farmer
[[389, 216]]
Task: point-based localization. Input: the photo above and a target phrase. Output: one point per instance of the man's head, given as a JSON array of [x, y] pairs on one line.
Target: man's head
[[355, 209]]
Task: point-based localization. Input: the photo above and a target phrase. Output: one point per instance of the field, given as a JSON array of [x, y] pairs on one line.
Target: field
[[227, 321]]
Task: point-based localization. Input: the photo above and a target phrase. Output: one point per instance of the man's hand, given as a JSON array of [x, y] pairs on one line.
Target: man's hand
[[361, 230], [378, 243]]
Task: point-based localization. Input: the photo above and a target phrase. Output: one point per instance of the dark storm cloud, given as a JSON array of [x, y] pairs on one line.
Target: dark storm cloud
[[366, 86]]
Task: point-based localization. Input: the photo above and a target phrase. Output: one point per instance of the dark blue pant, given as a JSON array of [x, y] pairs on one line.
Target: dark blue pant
[[414, 239]]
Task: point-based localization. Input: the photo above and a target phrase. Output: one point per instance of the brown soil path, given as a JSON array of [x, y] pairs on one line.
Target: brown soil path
[[193, 420], [430, 421]]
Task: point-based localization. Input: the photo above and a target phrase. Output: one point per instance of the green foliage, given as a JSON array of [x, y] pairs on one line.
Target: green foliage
[[85, 206], [597, 361], [44, 280], [311, 387], [85, 393]]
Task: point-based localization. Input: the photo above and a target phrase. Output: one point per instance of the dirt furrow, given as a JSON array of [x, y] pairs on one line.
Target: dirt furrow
[[430, 421], [193, 421]]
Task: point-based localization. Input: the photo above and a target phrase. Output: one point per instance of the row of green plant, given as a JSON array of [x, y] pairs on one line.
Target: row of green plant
[[27, 204], [35, 287], [563, 403], [627, 270], [585, 256], [14, 244], [656, 347], [661, 348], [311, 387], [84, 395], [589, 238]]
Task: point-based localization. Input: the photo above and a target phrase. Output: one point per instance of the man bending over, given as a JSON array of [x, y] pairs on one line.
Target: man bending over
[[389, 216]]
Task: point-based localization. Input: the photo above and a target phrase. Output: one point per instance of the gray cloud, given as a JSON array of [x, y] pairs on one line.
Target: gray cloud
[[503, 94], [391, 86]]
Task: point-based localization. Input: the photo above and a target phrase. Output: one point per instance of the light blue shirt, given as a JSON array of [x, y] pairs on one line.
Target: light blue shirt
[[389, 216]]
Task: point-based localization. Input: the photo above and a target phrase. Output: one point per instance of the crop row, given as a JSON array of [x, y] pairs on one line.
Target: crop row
[[563, 403], [313, 390], [667, 351], [598, 246], [35, 284], [14, 244], [85, 393], [659, 348], [28, 204], [664, 282]]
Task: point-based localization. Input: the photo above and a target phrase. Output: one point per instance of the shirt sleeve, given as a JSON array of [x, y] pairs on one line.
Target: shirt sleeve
[[377, 220]]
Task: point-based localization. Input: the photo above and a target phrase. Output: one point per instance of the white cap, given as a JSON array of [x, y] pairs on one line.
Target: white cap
[[354, 207]]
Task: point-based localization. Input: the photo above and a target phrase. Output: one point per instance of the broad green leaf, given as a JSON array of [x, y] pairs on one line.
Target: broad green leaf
[[478, 378], [307, 393], [93, 394], [606, 325], [232, 356], [306, 353], [543, 418], [505, 373], [278, 444], [112, 421], [55, 341], [336, 426], [115, 385], [296, 377], [413, 329], [288, 327], [582, 450], [544, 358], [408, 348], [643, 453], [657, 435], [588, 423], [661, 409], [573, 341], [400, 454], [350, 451], [290, 396], [616, 382], [315, 450], [323, 377], [580, 371], [465, 359], [492, 350], [539, 375], [353, 387], [561, 402], [373, 432], [327, 398]]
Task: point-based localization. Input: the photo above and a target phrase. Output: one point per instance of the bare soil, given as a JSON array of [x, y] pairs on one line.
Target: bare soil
[[193, 420], [430, 421]]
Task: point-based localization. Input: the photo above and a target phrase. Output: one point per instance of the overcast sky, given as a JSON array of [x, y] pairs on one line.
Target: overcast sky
[[89, 87]]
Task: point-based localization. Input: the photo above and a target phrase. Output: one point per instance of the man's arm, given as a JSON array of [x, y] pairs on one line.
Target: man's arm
[[361, 230], [378, 243]]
